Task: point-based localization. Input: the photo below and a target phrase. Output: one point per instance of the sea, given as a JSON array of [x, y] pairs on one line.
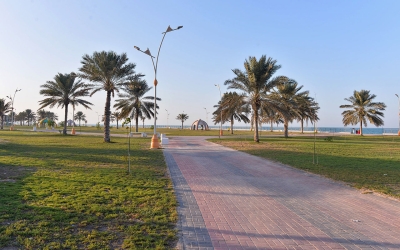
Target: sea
[[333, 130]]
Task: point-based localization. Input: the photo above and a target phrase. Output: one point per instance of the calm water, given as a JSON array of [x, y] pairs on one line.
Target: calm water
[[368, 130]]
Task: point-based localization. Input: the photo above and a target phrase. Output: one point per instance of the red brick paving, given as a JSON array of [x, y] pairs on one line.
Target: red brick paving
[[246, 202]]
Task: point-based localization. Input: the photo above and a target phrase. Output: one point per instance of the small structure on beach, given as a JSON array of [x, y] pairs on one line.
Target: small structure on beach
[[199, 124], [70, 123]]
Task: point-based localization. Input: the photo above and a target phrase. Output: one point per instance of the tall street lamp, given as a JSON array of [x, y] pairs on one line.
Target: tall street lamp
[[220, 128], [167, 117], [206, 115], [73, 119], [97, 116], [154, 139], [398, 132], [12, 108]]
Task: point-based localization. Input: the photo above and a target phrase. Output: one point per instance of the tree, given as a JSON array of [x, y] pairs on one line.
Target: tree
[[108, 71], [51, 116], [256, 81], [133, 103], [30, 116], [361, 109], [41, 114], [271, 116], [64, 90], [117, 116], [143, 118], [182, 117], [288, 94], [232, 107], [308, 110], [21, 117], [5, 107], [79, 116]]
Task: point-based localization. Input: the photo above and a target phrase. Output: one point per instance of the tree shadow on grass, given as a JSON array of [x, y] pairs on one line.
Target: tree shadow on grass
[[29, 220]]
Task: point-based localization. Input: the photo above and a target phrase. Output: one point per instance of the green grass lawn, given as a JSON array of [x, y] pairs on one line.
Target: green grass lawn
[[74, 192], [367, 162], [167, 131]]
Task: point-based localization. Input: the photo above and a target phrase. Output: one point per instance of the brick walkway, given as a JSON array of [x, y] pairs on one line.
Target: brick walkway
[[232, 200]]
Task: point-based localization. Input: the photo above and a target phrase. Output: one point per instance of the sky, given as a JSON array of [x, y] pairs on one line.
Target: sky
[[330, 47]]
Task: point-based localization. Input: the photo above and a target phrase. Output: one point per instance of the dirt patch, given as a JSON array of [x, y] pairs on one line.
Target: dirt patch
[[12, 173], [2, 141]]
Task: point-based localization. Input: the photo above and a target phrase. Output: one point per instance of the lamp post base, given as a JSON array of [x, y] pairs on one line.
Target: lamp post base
[[12, 128], [221, 133], [398, 133], [72, 131], [154, 142]]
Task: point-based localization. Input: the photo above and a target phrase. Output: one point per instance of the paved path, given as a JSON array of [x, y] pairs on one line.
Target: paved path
[[232, 200]]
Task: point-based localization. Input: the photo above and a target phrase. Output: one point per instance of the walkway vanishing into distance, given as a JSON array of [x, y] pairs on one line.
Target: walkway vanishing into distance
[[232, 200]]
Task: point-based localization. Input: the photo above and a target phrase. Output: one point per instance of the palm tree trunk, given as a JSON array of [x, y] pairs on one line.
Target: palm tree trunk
[[361, 132], [256, 138], [286, 128], [107, 113], [117, 123], [232, 125], [65, 119], [137, 120], [302, 126], [272, 129], [182, 124], [2, 119]]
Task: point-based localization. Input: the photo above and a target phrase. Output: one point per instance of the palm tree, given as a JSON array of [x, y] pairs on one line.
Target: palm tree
[[108, 71], [5, 107], [41, 114], [233, 107], [143, 118], [112, 118], [256, 81], [133, 103], [116, 116], [182, 117], [288, 95], [308, 110], [51, 116], [30, 116], [362, 108], [21, 117], [79, 116], [64, 90], [271, 116], [10, 116]]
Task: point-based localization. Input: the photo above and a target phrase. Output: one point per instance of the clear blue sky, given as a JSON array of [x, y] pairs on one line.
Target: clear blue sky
[[330, 47]]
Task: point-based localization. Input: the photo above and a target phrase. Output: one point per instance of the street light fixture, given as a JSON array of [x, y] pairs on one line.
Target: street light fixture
[[154, 139], [398, 132], [12, 108], [220, 129]]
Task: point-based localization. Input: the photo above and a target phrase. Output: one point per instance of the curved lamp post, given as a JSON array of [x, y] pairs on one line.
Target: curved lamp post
[[206, 115], [12, 108], [398, 132], [154, 139], [220, 128]]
